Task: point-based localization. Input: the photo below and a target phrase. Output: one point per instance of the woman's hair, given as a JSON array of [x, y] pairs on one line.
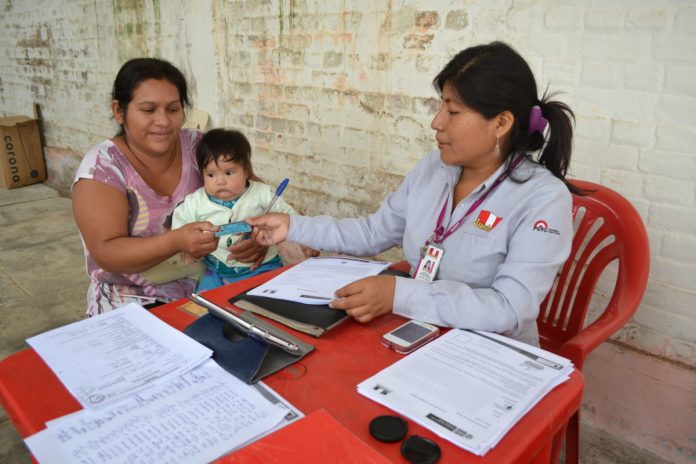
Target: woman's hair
[[494, 78], [226, 145], [137, 70]]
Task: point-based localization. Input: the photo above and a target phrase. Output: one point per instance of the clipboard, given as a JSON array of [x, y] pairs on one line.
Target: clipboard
[[244, 345]]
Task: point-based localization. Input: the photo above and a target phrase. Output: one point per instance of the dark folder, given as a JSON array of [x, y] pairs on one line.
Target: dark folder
[[314, 320]]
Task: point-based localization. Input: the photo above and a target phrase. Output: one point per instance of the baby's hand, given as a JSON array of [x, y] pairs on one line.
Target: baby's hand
[[187, 259], [309, 252]]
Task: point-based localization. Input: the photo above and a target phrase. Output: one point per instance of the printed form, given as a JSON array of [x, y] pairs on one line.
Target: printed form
[[105, 358], [161, 398], [315, 280], [468, 387]]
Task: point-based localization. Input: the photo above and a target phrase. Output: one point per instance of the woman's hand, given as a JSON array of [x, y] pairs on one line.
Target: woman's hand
[[197, 239], [248, 251], [366, 298], [101, 214], [270, 228]]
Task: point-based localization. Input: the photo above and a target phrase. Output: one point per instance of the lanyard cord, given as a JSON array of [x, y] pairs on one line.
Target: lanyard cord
[[439, 234]]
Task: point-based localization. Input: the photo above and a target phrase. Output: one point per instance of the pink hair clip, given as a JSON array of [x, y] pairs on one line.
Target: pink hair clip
[[537, 121]]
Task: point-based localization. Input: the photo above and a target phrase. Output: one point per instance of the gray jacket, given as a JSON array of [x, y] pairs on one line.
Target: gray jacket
[[491, 279]]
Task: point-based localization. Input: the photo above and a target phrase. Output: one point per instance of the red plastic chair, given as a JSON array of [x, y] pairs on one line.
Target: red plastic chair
[[607, 228]]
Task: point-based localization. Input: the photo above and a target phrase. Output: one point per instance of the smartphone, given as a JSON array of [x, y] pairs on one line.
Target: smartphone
[[409, 336], [238, 227]]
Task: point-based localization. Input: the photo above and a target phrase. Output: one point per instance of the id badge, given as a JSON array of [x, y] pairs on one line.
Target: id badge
[[429, 263]]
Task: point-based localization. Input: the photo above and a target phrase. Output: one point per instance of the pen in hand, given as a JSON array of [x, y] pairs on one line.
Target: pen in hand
[[270, 204], [278, 192]]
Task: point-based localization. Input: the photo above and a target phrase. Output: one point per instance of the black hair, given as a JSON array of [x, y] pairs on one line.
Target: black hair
[[137, 70], [226, 145], [494, 78]]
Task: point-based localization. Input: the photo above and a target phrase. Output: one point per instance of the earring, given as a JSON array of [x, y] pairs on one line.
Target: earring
[[496, 152]]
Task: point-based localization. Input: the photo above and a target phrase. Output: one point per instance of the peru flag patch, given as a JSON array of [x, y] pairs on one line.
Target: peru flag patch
[[487, 220]]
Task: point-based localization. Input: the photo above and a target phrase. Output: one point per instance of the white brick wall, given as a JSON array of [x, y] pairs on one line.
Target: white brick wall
[[338, 96], [349, 90]]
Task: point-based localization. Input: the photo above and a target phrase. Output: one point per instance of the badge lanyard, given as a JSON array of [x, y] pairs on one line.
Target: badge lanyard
[[432, 251]]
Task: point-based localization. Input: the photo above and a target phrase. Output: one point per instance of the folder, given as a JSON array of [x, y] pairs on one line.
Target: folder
[[318, 437], [314, 320]]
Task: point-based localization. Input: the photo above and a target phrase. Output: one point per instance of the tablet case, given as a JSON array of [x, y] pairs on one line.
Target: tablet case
[[246, 357]]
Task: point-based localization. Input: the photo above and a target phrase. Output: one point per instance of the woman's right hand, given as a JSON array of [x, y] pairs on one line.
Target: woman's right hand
[[197, 239], [270, 228]]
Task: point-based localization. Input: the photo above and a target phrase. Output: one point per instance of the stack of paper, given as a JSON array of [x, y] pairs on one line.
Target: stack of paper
[[151, 394], [315, 280], [468, 387], [105, 358]]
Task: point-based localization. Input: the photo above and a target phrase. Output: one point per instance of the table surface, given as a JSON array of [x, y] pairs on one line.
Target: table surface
[[325, 379]]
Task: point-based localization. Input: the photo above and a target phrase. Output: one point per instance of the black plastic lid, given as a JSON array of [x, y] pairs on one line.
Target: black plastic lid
[[419, 450], [388, 428]]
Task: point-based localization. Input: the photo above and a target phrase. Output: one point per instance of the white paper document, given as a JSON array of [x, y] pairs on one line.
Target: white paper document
[[291, 412], [468, 387], [193, 418], [105, 358], [315, 280]]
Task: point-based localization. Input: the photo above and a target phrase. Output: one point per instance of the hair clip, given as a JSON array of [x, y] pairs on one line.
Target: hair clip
[[537, 121]]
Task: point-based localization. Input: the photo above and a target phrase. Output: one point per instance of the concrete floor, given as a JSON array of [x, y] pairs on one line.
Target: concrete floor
[[42, 279], [43, 284]]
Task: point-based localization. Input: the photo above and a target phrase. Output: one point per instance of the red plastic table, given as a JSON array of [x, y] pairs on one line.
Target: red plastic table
[[325, 379]]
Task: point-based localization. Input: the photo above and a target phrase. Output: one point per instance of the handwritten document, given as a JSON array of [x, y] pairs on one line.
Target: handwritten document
[[315, 280], [102, 359], [468, 387], [196, 417]]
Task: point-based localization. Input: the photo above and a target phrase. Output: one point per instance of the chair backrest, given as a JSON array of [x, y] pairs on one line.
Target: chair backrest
[[607, 228]]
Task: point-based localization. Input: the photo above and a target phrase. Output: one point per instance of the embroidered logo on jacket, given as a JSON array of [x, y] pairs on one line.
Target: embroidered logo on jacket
[[543, 226], [487, 220]]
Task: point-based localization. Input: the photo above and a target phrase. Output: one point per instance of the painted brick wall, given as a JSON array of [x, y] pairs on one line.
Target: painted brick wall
[[337, 96]]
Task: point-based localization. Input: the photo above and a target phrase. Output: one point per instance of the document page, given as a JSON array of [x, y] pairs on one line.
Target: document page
[[194, 418], [468, 387], [315, 280], [102, 359], [292, 414]]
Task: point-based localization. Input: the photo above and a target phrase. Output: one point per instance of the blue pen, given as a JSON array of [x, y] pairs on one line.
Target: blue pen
[[278, 192]]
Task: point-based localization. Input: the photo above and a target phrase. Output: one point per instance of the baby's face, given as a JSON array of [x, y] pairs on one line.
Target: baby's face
[[225, 180]]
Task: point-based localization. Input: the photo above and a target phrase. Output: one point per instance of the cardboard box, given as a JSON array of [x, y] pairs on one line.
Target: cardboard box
[[21, 155]]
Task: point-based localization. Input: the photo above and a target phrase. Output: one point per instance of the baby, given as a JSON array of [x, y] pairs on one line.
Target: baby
[[231, 192]]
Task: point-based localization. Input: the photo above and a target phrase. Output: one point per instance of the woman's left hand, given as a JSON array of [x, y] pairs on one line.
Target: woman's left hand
[[366, 298], [248, 251]]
